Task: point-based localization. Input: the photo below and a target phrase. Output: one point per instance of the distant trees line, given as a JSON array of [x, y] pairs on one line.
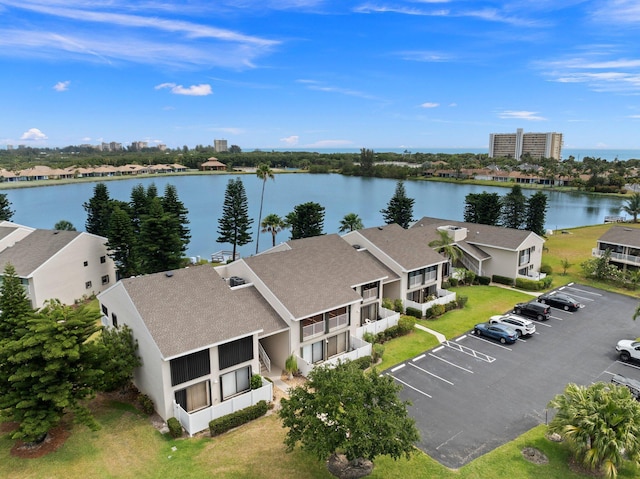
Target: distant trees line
[[604, 175]]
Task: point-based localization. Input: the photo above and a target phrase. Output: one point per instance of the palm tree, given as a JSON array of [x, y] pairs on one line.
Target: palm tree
[[633, 206], [264, 173], [445, 245], [350, 222], [601, 424], [273, 224]]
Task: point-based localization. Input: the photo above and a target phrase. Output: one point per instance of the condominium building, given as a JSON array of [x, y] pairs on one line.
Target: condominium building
[[515, 145], [220, 146]]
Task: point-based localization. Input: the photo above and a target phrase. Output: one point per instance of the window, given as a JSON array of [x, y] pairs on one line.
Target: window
[[105, 311], [87, 285], [235, 352], [525, 256], [235, 382], [370, 291], [312, 326], [190, 367], [114, 320], [336, 345], [194, 397], [103, 259], [313, 353], [86, 263], [338, 318], [105, 279]]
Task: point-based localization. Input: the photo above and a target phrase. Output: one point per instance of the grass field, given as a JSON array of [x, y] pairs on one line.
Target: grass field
[[127, 446]]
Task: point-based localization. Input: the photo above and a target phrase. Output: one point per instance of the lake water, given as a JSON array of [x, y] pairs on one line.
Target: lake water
[[203, 195]]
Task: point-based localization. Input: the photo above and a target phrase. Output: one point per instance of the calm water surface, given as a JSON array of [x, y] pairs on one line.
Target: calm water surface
[[42, 207]]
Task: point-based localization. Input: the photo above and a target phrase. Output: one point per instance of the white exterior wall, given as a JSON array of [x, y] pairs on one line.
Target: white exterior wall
[[154, 374], [505, 262], [64, 275]]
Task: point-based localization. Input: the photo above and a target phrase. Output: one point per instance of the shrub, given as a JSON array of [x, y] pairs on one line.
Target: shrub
[[483, 280], [397, 306], [369, 337], [447, 284], [387, 303], [364, 362], [392, 332], [469, 277], [407, 323], [450, 306], [461, 300], [452, 282], [256, 381], [146, 404], [546, 281], [436, 310], [546, 269], [238, 418], [377, 351], [502, 280], [416, 313], [175, 428], [529, 284]]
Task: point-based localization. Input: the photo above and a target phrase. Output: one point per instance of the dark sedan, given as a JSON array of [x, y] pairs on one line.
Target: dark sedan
[[501, 332], [560, 300]]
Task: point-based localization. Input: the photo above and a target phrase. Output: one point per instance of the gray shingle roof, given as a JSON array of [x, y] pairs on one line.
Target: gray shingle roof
[[622, 235], [33, 250], [6, 231], [477, 234], [409, 248], [195, 308], [317, 274]]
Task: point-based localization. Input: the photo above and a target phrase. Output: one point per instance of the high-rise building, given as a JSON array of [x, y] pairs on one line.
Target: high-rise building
[[515, 145], [220, 146]]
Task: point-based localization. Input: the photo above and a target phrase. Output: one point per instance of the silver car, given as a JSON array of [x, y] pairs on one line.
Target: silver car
[[523, 326]]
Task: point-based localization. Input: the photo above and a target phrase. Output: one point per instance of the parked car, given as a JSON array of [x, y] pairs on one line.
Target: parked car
[[628, 349], [534, 310], [501, 332], [560, 300], [632, 384], [523, 326]]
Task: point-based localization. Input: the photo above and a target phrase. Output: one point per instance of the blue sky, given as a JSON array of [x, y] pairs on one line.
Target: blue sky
[[311, 74]]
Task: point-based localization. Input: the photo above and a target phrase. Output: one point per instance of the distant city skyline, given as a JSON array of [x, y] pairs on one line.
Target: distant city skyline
[[319, 74]]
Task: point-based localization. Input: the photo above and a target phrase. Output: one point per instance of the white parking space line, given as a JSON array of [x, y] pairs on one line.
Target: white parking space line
[[521, 340], [450, 439], [608, 372], [627, 364], [431, 374], [539, 323], [470, 351], [437, 349], [461, 337], [411, 387], [418, 358], [584, 291], [397, 368], [449, 362], [555, 317], [492, 343]]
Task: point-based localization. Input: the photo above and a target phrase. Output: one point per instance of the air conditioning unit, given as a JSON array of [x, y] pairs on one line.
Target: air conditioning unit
[[236, 281]]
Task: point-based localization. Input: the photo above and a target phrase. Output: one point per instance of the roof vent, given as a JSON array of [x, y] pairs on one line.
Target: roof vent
[[356, 246], [236, 281], [169, 274], [380, 228]]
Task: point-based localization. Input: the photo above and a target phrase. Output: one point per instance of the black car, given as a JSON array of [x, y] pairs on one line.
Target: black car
[[560, 300], [533, 310]]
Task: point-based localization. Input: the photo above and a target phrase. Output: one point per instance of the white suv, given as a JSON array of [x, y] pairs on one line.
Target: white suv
[[523, 326]]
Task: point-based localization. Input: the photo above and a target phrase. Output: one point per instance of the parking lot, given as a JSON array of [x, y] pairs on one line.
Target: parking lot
[[472, 394]]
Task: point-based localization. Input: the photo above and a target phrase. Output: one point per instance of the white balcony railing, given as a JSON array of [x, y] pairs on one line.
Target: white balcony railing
[[387, 319], [313, 329], [370, 293], [444, 297], [338, 321], [199, 420], [359, 348], [625, 258]]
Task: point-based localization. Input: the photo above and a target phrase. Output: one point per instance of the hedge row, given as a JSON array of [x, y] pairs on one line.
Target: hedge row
[[238, 418], [502, 280], [532, 284]]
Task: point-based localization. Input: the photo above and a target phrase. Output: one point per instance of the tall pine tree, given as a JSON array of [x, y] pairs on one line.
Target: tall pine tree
[[98, 210], [514, 208], [122, 243], [306, 220], [536, 213], [234, 226], [400, 208], [159, 245], [172, 205]]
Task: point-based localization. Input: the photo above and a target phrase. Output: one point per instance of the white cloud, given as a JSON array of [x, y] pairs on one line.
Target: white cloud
[[521, 115], [62, 85], [33, 134], [194, 90], [617, 11], [290, 140], [634, 116], [318, 86], [430, 105], [230, 130], [453, 104]]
